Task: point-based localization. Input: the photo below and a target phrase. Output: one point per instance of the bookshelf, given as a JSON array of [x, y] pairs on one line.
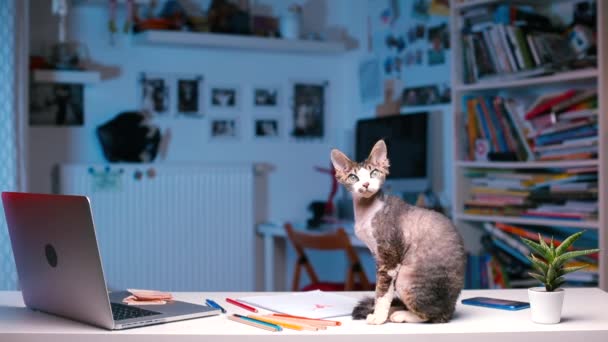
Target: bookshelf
[[589, 77]]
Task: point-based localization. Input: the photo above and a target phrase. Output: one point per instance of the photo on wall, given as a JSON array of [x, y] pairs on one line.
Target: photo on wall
[[266, 97], [308, 109], [190, 95], [266, 128], [155, 94], [224, 129], [56, 104], [224, 97]]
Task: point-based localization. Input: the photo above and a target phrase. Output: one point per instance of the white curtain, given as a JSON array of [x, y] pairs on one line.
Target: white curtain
[[13, 76]]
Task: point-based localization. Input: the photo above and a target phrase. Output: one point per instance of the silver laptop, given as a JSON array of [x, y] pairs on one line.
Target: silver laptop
[[59, 266]]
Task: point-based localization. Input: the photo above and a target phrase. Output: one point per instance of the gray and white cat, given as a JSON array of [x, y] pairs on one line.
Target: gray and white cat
[[420, 257]]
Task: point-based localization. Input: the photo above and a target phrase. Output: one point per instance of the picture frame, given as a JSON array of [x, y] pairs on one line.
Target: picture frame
[[309, 105], [224, 129], [266, 97], [224, 98], [156, 93], [189, 95], [267, 128], [56, 104]]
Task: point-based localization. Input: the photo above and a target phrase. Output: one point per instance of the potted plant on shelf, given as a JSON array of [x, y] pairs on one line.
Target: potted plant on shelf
[[550, 262]]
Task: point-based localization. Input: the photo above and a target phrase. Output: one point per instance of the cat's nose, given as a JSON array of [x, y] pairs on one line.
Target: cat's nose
[[366, 184]]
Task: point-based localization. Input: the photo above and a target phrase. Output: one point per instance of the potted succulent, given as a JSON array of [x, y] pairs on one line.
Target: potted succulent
[[549, 262]]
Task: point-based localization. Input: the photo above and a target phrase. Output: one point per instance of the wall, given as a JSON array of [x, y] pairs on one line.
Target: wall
[[293, 183]]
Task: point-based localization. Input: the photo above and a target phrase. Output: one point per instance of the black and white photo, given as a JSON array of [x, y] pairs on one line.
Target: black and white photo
[[266, 128], [190, 96], [224, 129], [155, 94], [267, 97], [308, 110], [56, 104], [224, 97]]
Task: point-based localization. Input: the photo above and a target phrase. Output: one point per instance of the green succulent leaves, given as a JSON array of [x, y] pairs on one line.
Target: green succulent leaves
[[550, 260]]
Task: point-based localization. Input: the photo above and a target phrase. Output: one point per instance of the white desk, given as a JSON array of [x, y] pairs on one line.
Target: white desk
[[270, 232], [585, 318]]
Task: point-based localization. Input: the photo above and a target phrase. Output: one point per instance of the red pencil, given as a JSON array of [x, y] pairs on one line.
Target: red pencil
[[244, 306]]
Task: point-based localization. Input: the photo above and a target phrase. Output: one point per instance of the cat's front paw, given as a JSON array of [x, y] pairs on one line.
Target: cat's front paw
[[375, 319]]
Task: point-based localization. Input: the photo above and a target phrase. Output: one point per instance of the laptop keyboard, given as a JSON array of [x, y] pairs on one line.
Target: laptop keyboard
[[122, 311]]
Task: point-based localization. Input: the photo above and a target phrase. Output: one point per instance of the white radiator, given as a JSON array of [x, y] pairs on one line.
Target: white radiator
[[171, 227]]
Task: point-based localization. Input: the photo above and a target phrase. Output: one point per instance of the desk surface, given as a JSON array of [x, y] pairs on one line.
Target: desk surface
[[585, 315]]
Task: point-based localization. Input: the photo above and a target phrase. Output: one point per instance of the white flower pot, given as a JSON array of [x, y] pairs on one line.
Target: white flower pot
[[546, 307]]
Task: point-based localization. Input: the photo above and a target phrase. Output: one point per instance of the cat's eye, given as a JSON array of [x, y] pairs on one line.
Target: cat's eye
[[374, 174], [353, 178]]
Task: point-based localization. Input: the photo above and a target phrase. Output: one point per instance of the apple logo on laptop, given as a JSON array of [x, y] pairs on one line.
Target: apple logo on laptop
[[51, 255]]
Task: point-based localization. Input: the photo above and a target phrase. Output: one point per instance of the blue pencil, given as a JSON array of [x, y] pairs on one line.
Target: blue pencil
[[215, 305]]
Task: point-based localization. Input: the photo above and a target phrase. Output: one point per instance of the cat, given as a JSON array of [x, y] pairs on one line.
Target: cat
[[419, 254]]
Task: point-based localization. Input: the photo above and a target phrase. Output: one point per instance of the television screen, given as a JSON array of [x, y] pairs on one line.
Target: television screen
[[406, 141]]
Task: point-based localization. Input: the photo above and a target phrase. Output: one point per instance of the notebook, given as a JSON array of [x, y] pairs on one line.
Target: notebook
[[312, 304]]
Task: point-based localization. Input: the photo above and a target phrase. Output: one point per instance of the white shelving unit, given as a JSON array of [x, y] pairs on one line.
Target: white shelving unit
[[228, 41], [592, 76], [66, 76]]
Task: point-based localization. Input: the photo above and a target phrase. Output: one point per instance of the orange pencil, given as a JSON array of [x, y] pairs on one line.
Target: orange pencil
[[325, 321], [283, 324], [317, 324]]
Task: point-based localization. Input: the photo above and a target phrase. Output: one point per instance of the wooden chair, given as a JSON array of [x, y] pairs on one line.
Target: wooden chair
[[335, 240]]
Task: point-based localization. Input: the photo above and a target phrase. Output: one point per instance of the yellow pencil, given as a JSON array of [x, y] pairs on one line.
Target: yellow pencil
[[284, 324], [325, 322], [252, 323], [320, 325]]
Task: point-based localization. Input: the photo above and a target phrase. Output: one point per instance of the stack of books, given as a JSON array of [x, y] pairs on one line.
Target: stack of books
[[565, 125], [553, 127], [563, 194], [502, 243], [498, 121], [511, 42]]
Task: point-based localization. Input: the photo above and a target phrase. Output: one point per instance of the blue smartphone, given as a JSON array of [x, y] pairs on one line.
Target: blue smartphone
[[496, 303]]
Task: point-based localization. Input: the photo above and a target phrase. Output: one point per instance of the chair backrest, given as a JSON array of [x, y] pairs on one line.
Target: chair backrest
[[334, 240]]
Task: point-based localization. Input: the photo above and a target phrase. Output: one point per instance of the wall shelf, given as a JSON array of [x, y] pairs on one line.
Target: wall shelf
[[227, 41], [66, 76]]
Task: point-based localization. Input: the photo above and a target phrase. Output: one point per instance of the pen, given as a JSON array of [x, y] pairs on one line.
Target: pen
[[244, 306], [213, 304], [254, 323]]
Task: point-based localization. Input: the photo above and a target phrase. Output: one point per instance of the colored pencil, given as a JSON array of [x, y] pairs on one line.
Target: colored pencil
[[255, 323], [284, 324], [323, 321], [239, 304], [302, 322]]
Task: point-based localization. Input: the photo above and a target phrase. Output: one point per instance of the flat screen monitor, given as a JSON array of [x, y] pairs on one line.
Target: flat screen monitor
[[406, 138]]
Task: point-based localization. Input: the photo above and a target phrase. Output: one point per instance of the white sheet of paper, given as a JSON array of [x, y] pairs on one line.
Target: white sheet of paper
[[312, 304]]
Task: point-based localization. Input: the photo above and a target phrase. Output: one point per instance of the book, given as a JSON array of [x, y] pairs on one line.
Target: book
[[548, 103], [311, 304]]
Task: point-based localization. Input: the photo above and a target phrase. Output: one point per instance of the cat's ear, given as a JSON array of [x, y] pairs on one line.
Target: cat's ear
[[340, 160], [378, 153], [378, 156]]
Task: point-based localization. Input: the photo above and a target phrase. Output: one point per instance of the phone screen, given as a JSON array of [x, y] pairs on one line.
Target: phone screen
[[497, 303]]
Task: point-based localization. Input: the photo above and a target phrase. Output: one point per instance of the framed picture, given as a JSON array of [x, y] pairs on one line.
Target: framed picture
[[224, 129], [56, 104], [308, 109], [266, 128], [190, 95], [224, 98], [155, 94], [266, 97]]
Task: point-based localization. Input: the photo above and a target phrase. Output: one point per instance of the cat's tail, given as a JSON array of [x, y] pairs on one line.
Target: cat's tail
[[366, 307]]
